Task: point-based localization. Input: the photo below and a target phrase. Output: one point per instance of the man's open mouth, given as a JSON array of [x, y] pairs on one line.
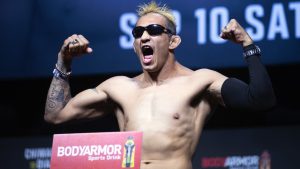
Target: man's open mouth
[[147, 53]]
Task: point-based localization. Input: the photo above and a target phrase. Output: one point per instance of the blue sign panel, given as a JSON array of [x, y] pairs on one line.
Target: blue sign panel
[[34, 32]]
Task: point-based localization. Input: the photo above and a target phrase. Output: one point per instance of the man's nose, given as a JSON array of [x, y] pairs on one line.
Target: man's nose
[[145, 36]]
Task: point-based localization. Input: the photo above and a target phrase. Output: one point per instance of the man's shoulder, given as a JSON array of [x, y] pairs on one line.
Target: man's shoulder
[[188, 72], [205, 74], [205, 71], [117, 88], [117, 80]]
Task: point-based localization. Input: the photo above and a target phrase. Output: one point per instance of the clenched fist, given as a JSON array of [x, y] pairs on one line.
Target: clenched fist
[[74, 45], [235, 32]]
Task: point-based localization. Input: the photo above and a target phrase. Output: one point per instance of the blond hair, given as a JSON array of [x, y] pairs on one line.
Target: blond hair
[[164, 10]]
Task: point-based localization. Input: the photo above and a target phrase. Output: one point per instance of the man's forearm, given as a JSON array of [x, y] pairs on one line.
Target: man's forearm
[[59, 93], [58, 96]]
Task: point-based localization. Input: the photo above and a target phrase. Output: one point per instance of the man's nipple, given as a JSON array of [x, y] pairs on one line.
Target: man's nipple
[[176, 116]]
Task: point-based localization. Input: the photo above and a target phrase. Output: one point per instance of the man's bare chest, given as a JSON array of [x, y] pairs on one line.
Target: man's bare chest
[[158, 100]]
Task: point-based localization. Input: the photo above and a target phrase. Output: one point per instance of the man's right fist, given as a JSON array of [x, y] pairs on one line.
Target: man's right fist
[[75, 45]]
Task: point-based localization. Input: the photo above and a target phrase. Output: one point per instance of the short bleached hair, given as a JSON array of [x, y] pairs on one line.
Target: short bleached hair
[[163, 10]]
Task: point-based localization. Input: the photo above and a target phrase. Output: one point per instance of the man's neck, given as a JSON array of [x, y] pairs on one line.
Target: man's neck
[[169, 70]]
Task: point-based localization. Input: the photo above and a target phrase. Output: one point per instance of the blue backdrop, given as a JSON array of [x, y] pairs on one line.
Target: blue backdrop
[[33, 31]]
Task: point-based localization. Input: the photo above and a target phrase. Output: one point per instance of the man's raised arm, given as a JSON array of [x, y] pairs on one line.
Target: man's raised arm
[[60, 106], [258, 95]]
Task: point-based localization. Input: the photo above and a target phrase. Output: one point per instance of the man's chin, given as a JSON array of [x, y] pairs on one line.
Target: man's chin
[[149, 68]]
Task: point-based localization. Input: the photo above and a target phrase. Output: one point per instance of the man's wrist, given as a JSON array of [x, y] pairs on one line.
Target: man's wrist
[[251, 50], [58, 73]]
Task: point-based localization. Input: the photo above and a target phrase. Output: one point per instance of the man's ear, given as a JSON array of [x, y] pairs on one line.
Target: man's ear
[[174, 42]]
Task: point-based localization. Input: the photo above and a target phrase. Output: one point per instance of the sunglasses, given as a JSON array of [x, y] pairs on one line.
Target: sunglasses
[[153, 30]]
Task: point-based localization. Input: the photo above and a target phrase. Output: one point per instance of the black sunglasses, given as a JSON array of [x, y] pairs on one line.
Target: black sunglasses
[[153, 30]]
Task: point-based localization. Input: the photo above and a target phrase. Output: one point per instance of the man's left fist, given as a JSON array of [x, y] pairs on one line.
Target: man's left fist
[[235, 32]]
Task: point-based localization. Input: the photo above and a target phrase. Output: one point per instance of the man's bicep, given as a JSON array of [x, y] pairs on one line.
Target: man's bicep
[[215, 88], [85, 105]]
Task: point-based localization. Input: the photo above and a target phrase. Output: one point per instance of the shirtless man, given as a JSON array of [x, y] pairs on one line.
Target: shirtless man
[[167, 101]]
